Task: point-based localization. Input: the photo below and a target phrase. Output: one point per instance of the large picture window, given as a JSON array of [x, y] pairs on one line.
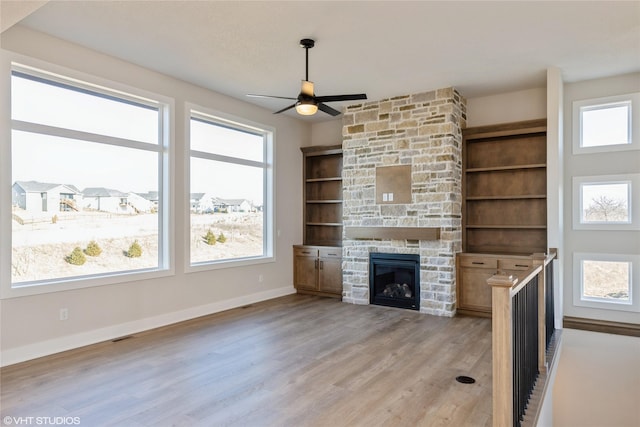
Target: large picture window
[[89, 167], [230, 191]]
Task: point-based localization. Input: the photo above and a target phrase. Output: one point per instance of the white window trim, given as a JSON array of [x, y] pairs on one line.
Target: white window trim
[[268, 164], [634, 123], [11, 61], [634, 290], [633, 200]]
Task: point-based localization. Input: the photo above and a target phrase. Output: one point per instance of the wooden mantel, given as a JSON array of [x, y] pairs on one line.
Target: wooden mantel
[[393, 233]]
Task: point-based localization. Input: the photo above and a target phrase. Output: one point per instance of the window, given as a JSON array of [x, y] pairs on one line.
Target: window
[[606, 281], [230, 191], [606, 124], [606, 202], [84, 159]]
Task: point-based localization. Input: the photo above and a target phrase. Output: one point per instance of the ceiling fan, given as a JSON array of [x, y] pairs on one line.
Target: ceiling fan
[[307, 103]]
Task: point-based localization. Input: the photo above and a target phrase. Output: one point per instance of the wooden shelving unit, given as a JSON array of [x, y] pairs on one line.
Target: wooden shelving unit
[[322, 195], [505, 186], [317, 263], [504, 207]]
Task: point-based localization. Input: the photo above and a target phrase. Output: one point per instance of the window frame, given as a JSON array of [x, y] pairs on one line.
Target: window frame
[[633, 99], [632, 305], [164, 148], [268, 164], [633, 202]]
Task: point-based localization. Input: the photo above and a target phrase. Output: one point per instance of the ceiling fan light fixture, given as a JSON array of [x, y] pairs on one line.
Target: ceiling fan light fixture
[[306, 108], [307, 103]]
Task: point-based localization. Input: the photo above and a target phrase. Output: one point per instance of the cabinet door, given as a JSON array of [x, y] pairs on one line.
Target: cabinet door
[[305, 268], [474, 292], [306, 274], [330, 271]]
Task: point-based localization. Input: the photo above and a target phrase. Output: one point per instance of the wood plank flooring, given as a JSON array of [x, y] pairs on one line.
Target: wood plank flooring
[[292, 361]]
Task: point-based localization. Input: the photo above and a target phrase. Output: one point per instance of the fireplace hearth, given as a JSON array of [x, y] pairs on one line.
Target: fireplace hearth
[[394, 280]]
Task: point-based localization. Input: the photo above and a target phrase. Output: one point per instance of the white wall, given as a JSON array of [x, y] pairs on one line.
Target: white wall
[[30, 325], [608, 163], [508, 107], [327, 133]]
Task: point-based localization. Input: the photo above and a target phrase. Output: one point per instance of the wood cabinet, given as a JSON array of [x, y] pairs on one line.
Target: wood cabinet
[[317, 263], [473, 270], [318, 270], [322, 171], [505, 188], [504, 207]]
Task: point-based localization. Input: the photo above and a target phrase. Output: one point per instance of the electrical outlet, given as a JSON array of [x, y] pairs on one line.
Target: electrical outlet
[[260, 278], [64, 314]]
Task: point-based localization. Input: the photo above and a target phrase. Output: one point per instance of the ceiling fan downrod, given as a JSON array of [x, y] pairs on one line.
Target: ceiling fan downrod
[[307, 44]]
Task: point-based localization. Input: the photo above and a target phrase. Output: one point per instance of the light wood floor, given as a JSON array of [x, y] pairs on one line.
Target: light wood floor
[[292, 361]]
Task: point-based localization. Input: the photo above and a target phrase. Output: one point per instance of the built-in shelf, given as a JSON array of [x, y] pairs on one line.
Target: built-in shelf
[[324, 179], [324, 201], [504, 188], [322, 206], [510, 227], [514, 197], [507, 168]]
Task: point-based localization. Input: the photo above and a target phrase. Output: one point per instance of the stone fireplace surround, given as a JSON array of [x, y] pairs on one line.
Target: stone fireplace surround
[[423, 130]]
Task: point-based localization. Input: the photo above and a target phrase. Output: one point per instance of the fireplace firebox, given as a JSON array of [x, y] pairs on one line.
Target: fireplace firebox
[[394, 280]]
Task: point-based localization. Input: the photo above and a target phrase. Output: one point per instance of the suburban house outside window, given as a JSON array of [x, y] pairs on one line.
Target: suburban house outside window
[[230, 191], [85, 160]]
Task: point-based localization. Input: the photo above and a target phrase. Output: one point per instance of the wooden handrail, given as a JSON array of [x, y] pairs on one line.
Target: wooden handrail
[[503, 289]]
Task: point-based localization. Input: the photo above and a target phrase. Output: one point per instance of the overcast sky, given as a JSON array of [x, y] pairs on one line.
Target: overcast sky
[[43, 158]]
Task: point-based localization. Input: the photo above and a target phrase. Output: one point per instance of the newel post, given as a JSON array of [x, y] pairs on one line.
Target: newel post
[[502, 348]]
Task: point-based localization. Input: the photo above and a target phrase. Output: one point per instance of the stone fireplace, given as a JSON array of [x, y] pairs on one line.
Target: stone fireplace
[[402, 175]]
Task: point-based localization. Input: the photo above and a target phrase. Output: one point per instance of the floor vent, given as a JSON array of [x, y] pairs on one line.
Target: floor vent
[[465, 380], [122, 338]]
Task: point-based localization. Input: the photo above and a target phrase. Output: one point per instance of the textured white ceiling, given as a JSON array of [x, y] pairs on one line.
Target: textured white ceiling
[[385, 49]]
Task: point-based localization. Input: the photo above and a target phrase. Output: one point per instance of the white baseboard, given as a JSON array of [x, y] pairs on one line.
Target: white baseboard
[[57, 345]]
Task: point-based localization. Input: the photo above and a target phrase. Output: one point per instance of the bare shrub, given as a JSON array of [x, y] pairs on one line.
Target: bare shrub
[[76, 257], [93, 249], [135, 250]]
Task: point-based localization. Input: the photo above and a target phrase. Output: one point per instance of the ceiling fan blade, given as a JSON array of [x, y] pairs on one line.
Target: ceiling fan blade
[[270, 96], [285, 109], [328, 109], [331, 98], [307, 88]]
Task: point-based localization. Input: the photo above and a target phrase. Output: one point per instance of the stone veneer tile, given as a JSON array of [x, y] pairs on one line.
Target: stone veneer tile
[[424, 130]]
